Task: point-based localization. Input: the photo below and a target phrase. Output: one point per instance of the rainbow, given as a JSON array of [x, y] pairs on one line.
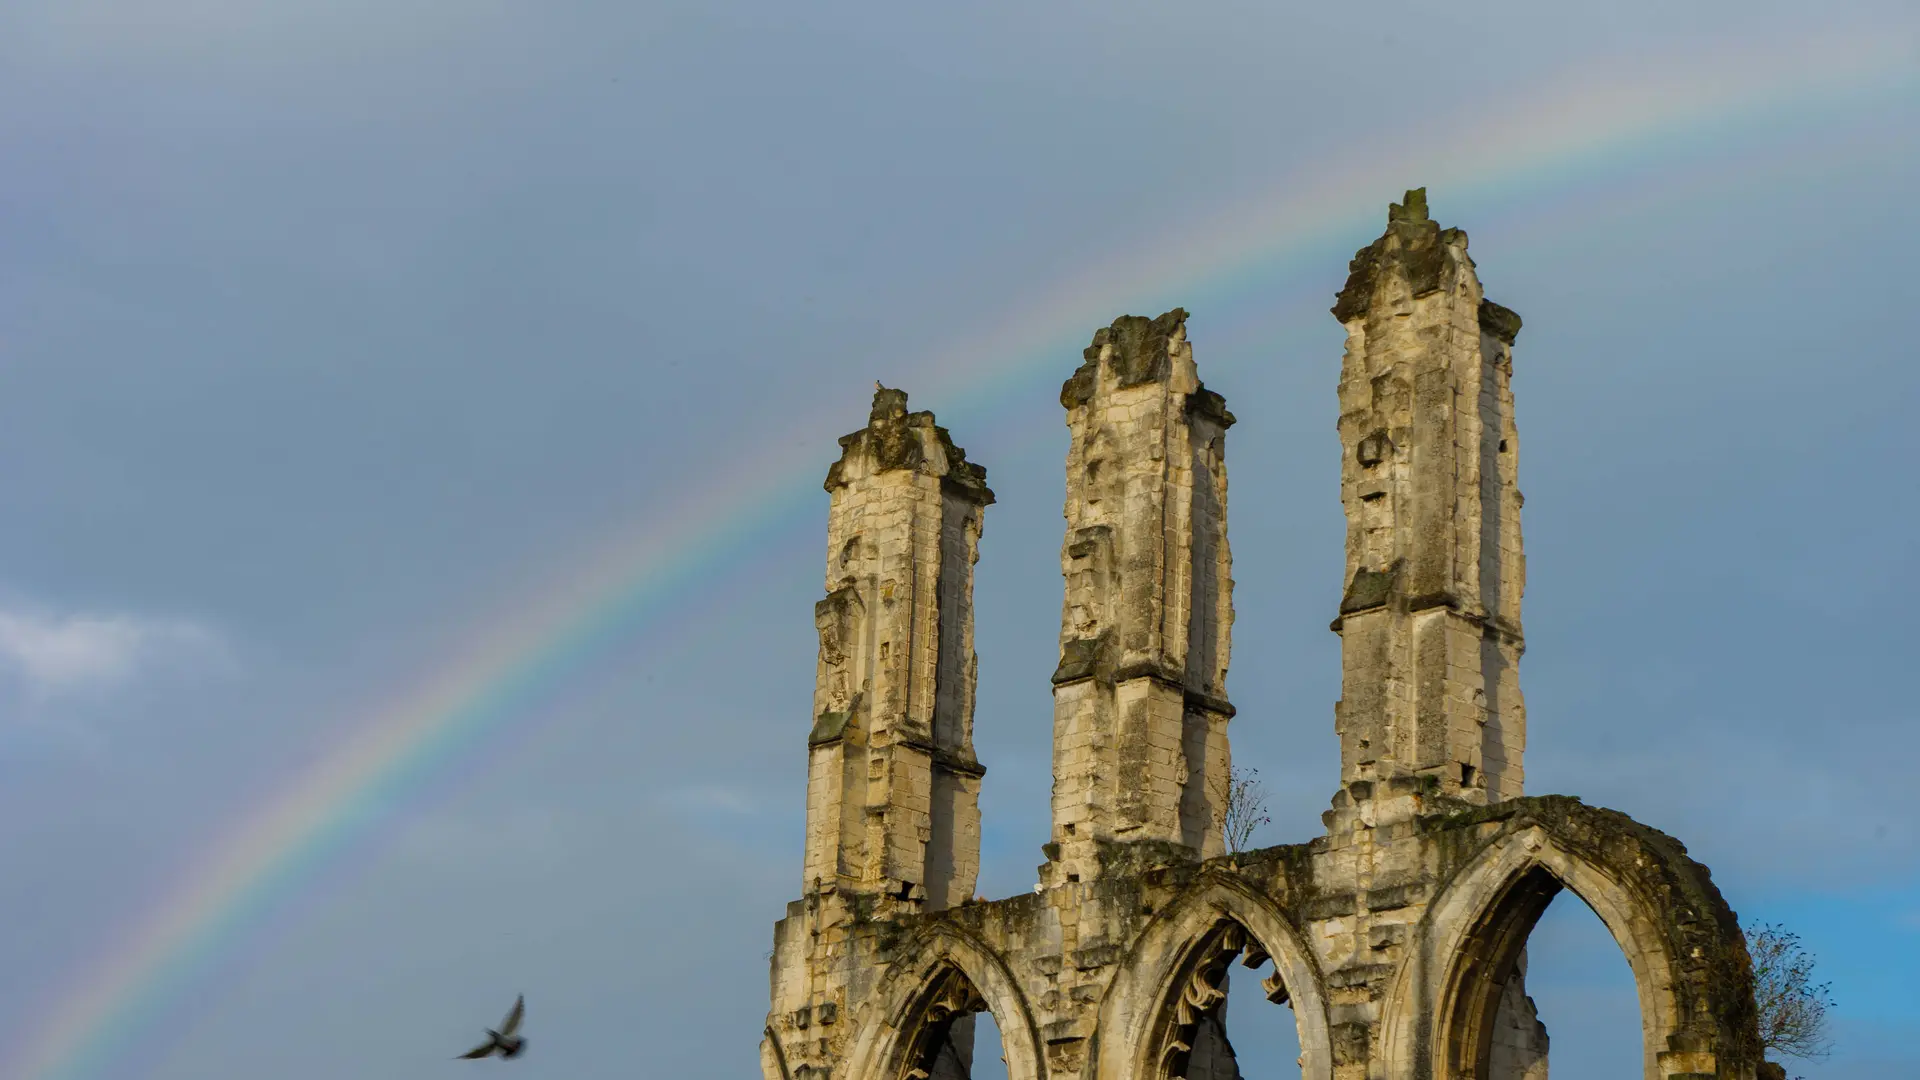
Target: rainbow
[[1541, 146]]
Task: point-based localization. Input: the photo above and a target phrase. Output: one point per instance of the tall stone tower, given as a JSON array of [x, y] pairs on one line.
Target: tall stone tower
[[1395, 942], [893, 788], [1430, 622], [1140, 705]]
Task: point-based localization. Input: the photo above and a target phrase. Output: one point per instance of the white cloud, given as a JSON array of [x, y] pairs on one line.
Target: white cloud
[[61, 654]]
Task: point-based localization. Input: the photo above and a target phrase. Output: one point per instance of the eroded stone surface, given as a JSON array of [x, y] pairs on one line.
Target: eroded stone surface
[[1396, 940], [1140, 699], [892, 784], [1430, 623]]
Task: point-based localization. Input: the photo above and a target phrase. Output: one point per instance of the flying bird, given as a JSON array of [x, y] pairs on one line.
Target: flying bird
[[505, 1042]]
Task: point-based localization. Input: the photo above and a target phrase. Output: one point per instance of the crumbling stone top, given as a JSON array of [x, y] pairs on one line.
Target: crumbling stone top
[[1140, 350], [1415, 247], [895, 439]]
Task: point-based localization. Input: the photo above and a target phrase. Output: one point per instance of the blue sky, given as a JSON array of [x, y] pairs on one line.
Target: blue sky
[[333, 332]]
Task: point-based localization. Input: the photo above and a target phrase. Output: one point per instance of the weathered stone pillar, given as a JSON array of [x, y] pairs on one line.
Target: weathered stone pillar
[[1430, 622], [892, 785], [893, 789], [1140, 705]]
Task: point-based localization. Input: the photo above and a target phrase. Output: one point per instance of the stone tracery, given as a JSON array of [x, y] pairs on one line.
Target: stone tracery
[[931, 1048]]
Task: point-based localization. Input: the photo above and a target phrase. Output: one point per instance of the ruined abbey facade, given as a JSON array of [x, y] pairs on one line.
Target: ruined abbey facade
[[1396, 939]]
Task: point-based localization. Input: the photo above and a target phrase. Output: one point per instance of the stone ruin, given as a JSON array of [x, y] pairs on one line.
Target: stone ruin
[[1397, 938]]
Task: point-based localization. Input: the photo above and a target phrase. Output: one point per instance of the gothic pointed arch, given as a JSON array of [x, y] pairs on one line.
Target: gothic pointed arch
[[1684, 945], [940, 974], [1171, 975]]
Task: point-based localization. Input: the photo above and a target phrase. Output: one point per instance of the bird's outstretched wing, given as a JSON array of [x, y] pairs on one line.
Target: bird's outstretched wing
[[512, 1023], [478, 1052]]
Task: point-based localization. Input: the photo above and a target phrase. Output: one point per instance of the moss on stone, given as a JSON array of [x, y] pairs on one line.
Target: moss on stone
[[1413, 247], [1370, 589], [895, 439], [1501, 322], [827, 727], [1140, 350]]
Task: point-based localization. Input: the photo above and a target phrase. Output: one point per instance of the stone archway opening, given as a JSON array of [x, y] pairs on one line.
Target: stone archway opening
[[1266, 1034], [989, 1053], [952, 1031], [1490, 1025], [1193, 1041], [1583, 993]]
